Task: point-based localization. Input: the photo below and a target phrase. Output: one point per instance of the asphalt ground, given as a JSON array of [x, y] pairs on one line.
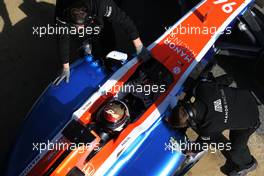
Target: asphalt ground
[[29, 63]]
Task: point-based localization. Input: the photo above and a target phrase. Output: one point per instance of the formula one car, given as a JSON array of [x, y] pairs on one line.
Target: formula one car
[[66, 118]]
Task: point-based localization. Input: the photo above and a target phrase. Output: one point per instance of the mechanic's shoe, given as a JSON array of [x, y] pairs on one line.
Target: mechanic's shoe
[[244, 172], [227, 167]]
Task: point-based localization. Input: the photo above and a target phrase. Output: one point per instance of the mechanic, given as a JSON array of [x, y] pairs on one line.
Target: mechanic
[[214, 108], [91, 15]]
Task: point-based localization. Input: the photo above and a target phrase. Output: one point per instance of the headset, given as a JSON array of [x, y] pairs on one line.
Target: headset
[[187, 106]]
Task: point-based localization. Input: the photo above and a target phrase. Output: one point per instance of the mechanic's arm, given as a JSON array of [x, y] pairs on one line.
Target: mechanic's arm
[[205, 140], [195, 88], [187, 90], [115, 14], [201, 141], [64, 49], [63, 41]]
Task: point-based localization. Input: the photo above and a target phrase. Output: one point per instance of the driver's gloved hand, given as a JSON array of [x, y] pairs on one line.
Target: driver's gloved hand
[[143, 53], [64, 74]]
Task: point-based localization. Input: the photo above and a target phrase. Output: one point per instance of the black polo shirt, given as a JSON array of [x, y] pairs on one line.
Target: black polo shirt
[[220, 108]]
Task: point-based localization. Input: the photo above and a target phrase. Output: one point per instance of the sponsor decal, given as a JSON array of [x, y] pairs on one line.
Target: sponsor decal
[[218, 105], [181, 48], [226, 109], [176, 70], [88, 169]]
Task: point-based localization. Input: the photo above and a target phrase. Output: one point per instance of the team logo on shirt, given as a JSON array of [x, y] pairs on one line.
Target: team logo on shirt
[[218, 105]]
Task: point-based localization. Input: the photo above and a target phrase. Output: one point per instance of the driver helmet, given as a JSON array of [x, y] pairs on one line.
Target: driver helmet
[[114, 116]]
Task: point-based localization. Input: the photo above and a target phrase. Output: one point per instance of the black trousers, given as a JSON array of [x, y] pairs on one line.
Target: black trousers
[[239, 156]]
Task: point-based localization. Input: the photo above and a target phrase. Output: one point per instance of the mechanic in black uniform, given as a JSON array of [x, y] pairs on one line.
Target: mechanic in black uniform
[[91, 14], [216, 108]]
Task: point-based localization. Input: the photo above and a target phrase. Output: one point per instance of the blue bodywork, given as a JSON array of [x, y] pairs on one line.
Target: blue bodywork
[[53, 110], [149, 154]]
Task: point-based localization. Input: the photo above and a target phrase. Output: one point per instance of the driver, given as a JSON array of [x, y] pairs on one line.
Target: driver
[[110, 120], [113, 117]]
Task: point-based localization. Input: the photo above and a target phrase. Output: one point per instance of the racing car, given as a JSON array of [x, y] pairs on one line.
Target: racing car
[[55, 134]]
